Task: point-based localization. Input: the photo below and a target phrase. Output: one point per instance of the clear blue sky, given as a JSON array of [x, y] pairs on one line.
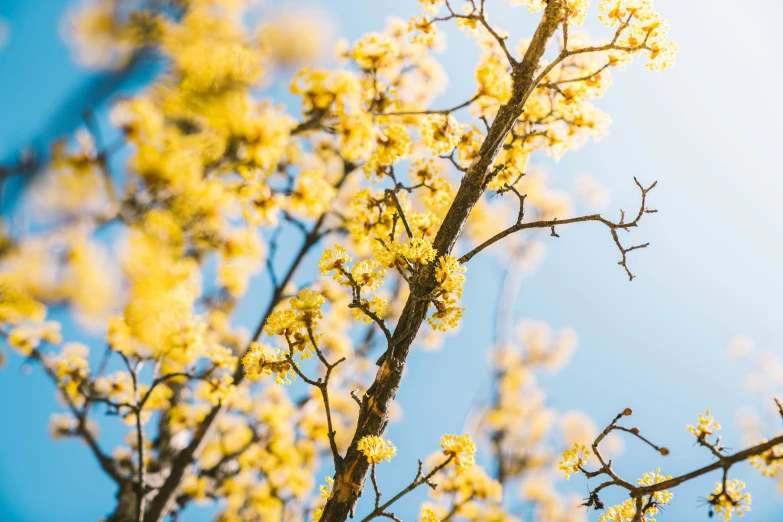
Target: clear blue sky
[[708, 130]]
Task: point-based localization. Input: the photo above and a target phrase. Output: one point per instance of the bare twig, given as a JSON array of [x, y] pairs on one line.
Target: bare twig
[[418, 480], [613, 227]]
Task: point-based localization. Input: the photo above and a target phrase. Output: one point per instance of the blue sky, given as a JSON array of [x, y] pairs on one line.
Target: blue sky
[[708, 130]]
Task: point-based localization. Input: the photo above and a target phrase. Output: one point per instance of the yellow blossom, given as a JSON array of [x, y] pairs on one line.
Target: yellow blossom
[[374, 51], [770, 462], [431, 6], [216, 389], [312, 194], [16, 305], [393, 144], [460, 448], [706, 427], [376, 449], [573, 459], [731, 500], [335, 260], [440, 133], [262, 360]]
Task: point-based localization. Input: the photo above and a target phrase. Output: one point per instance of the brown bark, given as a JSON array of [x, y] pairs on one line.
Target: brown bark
[[373, 417]]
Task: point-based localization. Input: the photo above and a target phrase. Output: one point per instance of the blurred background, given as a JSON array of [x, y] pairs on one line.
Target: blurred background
[[707, 130]]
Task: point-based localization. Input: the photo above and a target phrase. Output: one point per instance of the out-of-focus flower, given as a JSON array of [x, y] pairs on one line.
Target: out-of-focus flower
[[97, 36], [297, 36]]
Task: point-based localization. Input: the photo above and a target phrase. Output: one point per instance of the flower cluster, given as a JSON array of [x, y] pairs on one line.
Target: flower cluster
[[376, 449], [730, 499], [460, 449], [262, 360], [448, 274], [770, 462], [646, 30], [298, 322], [441, 133], [366, 275], [706, 426], [428, 515], [627, 511], [573, 460]]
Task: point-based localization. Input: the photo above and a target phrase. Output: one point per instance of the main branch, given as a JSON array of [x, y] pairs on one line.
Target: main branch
[[374, 413]]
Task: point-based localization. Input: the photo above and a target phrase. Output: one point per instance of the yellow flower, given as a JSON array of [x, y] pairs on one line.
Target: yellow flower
[[307, 305], [375, 51], [62, 425], [117, 387], [216, 390], [26, 337], [389, 255], [428, 515], [419, 251], [16, 305], [335, 260], [357, 136], [393, 145], [660, 497], [377, 305], [769, 463], [209, 55], [449, 275], [222, 358], [461, 448], [471, 484], [195, 487], [119, 336], [326, 490], [282, 322], [325, 91], [262, 360], [368, 274], [425, 32], [731, 500], [431, 6], [440, 133], [376, 449], [707, 426], [645, 32], [138, 118], [577, 10], [312, 194], [573, 459], [264, 136], [626, 512]]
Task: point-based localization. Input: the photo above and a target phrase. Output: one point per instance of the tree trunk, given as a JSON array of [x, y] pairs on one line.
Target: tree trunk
[[126, 504], [350, 476]]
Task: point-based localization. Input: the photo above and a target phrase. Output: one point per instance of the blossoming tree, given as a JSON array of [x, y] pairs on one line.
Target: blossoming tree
[[391, 198]]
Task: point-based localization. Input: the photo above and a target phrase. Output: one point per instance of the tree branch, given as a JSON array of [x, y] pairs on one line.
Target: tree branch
[[613, 227], [373, 416]]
